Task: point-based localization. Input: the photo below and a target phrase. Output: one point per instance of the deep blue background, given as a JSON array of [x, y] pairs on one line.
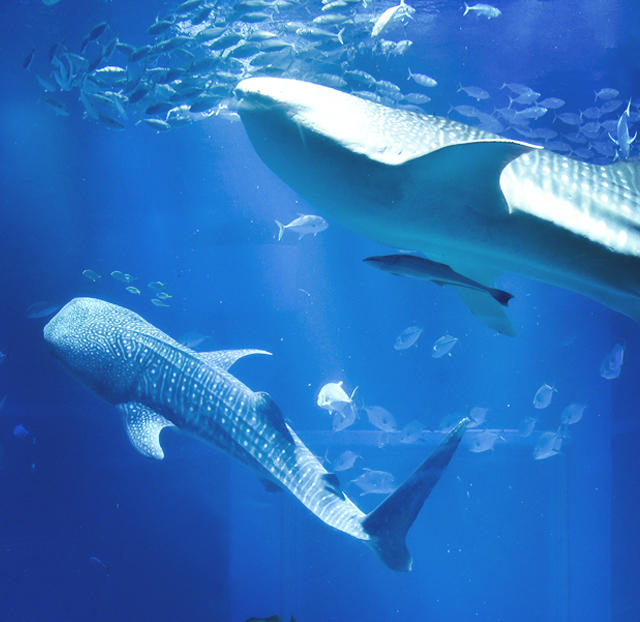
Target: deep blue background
[[502, 537]]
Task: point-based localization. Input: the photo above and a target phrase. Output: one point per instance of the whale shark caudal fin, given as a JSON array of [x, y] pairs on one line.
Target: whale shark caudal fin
[[389, 523], [143, 427], [226, 358]]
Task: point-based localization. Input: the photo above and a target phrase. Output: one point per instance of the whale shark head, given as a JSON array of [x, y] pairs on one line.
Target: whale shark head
[[88, 336]]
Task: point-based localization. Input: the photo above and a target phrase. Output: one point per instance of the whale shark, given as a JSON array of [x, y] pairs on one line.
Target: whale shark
[[155, 382], [479, 203]]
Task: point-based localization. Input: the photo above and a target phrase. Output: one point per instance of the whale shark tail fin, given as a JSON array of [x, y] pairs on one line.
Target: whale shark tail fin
[[389, 523]]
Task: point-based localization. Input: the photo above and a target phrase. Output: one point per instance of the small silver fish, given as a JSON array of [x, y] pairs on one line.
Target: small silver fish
[[443, 346], [543, 396], [486, 10], [303, 225], [611, 365], [412, 432], [606, 93], [407, 338], [483, 441], [572, 413], [345, 461], [422, 79], [474, 91], [375, 482], [549, 444], [92, 275], [381, 418]]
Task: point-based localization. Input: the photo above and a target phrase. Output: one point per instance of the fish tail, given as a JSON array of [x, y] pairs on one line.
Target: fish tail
[[466, 9], [340, 33], [389, 523], [410, 74], [280, 230], [501, 296]]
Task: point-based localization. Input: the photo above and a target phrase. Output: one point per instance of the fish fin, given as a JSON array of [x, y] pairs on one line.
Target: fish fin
[[280, 230], [143, 427], [500, 295], [267, 407], [226, 358], [613, 139], [270, 486], [487, 309], [470, 168], [333, 484], [389, 523], [634, 137]]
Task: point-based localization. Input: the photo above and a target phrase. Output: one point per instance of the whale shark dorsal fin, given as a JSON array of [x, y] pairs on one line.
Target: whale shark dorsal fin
[[467, 170], [143, 427], [226, 358]]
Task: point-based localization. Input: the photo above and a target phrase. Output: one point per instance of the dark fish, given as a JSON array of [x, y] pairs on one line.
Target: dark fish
[[26, 63], [159, 26], [95, 32], [159, 108], [204, 103], [187, 6], [52, 51], [225, 41], [138, 94], [438, 273], [157, 124], [201, 15], [40, 309], [140, 53]]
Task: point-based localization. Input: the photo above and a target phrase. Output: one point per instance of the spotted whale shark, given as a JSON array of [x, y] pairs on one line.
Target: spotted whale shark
[[474, 201], [155, 382]]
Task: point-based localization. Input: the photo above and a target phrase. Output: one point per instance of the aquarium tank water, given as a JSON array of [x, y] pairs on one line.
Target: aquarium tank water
[[320, 311]]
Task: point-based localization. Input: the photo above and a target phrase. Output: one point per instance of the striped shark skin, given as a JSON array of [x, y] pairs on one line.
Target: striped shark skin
[[155, 382], [478, 203]]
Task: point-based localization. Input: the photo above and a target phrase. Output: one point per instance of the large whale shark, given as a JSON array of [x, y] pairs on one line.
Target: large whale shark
[[479, 203], [156, 382]]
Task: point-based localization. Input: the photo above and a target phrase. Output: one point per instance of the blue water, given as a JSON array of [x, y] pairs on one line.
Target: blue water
[[196, 537]]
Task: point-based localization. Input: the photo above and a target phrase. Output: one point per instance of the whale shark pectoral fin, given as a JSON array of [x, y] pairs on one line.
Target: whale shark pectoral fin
[[226, 358], [487, 309], [266, 407], [143, 427], [389, 523], [470, 170]]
